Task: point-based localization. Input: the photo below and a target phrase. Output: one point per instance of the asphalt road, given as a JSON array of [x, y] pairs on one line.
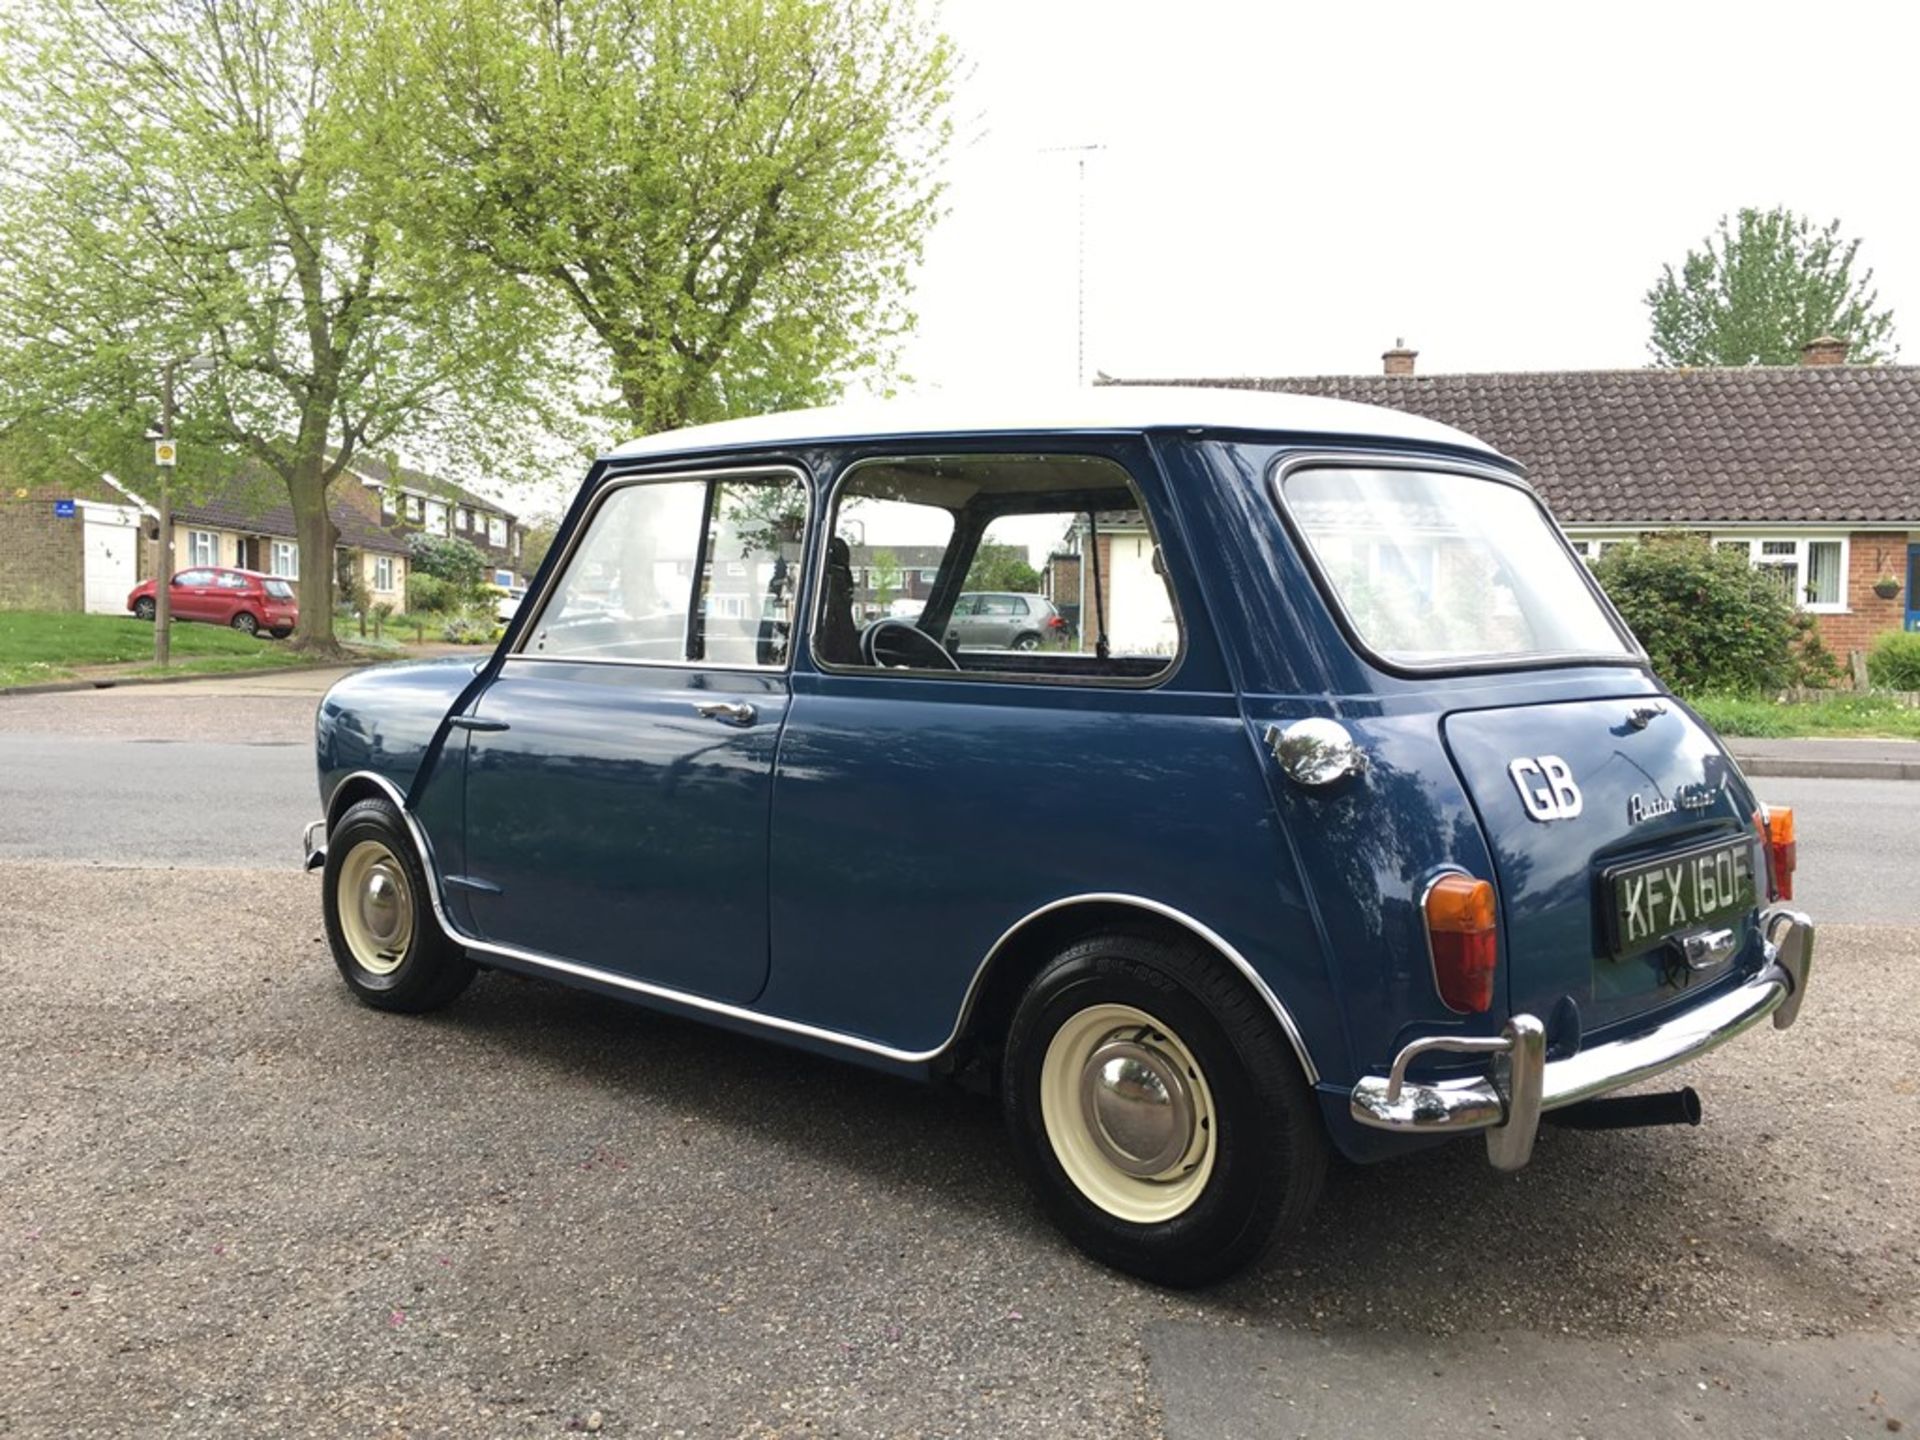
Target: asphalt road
[[238, 1203]]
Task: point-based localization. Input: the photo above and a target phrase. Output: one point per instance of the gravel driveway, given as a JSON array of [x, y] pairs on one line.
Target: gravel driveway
[[236, 1202]]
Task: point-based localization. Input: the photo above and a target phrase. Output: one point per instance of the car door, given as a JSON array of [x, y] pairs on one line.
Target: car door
[[961, 625], [619, 764], [188, 596], [998, 620]]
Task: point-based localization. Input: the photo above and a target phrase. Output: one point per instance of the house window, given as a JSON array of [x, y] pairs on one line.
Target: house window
[[1810, 572], [463, 518], [386, 503], [496, 530], [286, 559], [516, 544], [436, 517], [203, 547], [416, 508], [383, 572]]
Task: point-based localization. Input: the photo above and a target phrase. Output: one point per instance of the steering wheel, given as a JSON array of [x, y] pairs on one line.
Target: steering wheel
[[902, 645]]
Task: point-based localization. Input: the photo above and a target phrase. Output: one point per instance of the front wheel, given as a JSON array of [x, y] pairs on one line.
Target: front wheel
[[1158, 1111], [245, 623], [144, 609], [380, 923]]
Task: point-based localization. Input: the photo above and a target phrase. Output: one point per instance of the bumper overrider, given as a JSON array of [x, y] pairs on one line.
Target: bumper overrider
[[1522, 1083], [313, 845]]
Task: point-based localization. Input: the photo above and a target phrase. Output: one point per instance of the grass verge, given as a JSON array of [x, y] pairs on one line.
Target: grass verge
[[39, 648], [1837, 716]]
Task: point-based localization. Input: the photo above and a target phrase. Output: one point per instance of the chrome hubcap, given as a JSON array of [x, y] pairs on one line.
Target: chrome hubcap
[[381, 905], [1138, 1107]]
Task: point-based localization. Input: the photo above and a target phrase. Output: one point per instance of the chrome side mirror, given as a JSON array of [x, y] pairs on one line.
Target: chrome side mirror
[[1315, 751]]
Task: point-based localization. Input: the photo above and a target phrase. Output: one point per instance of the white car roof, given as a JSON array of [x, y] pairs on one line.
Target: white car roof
[[1123, 408]]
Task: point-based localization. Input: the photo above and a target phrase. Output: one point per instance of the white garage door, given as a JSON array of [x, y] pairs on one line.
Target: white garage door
[[113, 548]]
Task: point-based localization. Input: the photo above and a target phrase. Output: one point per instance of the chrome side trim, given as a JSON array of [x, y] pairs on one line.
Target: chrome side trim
[[797, 1027], [1179, 917]]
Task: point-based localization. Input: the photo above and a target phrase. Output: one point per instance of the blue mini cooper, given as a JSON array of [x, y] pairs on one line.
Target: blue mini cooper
[[1342, 814]]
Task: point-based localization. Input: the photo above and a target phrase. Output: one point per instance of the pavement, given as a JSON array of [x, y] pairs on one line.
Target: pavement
[[1828, 759], [239, 1203]]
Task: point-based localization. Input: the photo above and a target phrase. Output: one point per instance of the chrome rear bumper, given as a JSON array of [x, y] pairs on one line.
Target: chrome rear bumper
[[1507, 1103]]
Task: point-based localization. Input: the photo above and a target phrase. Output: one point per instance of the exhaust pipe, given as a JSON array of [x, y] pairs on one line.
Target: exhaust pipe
[[1630, 1112]]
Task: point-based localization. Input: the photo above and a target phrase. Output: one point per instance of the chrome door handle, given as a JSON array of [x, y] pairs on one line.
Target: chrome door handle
[[734, 712]]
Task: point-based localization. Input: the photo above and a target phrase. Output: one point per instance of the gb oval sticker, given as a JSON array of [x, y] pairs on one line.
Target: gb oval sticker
[[1546, 787]]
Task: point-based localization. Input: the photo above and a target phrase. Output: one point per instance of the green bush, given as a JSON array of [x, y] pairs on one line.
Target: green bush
[[428, 592], [475, 626], [1894, 661], [1711, 622]]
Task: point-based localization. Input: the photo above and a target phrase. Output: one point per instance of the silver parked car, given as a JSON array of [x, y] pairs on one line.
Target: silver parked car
[[1000, 620]]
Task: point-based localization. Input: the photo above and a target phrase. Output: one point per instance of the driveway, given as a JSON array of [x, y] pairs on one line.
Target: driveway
[[238, 1203]]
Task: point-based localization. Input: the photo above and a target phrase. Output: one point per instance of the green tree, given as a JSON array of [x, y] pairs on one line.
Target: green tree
[[883, 577], [1759, 289], [1002, 567], [221, 177], [726, 195]]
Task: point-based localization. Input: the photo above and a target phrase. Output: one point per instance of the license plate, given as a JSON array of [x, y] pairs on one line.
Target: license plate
[[1658, 898]]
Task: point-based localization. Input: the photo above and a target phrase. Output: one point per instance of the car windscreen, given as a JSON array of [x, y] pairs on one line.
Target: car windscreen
[[1436, 568], [279, 589]]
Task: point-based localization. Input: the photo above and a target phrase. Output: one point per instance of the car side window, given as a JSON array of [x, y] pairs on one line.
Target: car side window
[[677, 571], [227, 580], [194, 577], [1053, 554]]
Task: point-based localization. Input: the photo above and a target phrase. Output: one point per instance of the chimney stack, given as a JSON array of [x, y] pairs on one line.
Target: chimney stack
[[1399, 360], [1824, 350]]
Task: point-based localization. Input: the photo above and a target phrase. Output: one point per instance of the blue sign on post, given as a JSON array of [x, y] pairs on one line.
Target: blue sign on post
[[63, 509]]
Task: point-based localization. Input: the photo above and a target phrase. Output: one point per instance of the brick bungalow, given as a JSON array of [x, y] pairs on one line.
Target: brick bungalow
[[68, 546], [1813, 470]]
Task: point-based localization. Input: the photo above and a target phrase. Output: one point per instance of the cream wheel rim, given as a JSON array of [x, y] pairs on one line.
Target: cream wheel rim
[[1128, 1113], [376, 907]]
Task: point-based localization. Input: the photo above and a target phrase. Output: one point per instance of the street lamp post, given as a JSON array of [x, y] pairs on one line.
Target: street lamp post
[[164, 456]]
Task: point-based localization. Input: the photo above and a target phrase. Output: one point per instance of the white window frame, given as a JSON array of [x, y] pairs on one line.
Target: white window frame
[[496, 525], [283, 559], [203, 548], [383, 572], [463, 518], [1797, 562], [387, 505], [437, 517]]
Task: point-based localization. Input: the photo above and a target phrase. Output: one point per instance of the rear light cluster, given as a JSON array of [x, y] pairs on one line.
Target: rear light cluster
[[1460, 935], [1056, 622], [1775, 824]]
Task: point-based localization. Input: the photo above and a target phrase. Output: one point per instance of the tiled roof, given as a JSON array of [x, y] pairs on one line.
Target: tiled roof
[[1796, 444], [255, 502], [408, 477]]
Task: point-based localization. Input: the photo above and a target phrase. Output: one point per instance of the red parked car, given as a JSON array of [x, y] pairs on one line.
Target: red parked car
[[245, 599]]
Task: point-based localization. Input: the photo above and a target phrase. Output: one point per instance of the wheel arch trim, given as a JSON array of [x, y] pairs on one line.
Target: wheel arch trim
[[1210, 937]]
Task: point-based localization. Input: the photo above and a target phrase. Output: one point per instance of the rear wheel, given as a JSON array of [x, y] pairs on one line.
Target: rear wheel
[[144, 608], [1028, 641], [380, 923], [245, 623], [1157, 1109]]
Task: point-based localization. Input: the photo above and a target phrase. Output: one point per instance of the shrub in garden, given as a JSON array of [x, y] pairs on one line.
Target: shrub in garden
[[1709, 620], [428, 592], [1894, 661], [447, 558]]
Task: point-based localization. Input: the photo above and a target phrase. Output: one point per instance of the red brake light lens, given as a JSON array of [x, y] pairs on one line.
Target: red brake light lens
[[1775, 823], [1461, 936]]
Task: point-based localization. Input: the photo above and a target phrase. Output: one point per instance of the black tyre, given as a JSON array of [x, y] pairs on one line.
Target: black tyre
[[380, 921], [1157, 1108], [245, 623], [144, 609], [1028, 641]]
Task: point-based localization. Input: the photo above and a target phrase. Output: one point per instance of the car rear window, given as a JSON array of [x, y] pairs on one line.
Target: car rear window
[[1438, 568], [279, 589]]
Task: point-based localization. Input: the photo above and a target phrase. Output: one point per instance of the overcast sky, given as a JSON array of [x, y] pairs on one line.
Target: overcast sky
[[1286, 188]]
